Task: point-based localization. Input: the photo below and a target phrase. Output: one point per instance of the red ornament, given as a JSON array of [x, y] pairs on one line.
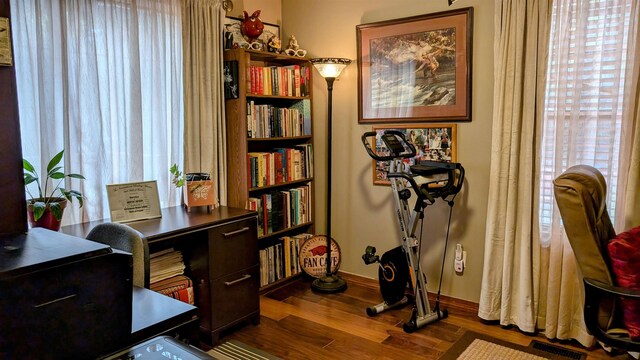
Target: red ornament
[[252, 26]]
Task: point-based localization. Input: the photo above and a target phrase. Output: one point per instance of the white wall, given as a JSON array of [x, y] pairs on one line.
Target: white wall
[[363, 213]]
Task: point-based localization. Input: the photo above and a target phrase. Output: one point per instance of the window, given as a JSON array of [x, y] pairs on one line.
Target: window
[[584, 96], [102, 80]]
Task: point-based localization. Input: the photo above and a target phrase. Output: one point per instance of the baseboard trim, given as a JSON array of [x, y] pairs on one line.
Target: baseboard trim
[[444, 299]]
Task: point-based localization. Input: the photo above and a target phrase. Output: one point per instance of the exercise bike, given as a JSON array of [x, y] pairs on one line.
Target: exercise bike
[[400, 267]]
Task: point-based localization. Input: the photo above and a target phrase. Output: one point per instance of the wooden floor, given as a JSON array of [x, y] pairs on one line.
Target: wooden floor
[[297, 323]]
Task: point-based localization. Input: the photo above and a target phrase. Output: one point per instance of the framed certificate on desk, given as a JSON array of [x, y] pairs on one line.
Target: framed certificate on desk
[[134, 201]]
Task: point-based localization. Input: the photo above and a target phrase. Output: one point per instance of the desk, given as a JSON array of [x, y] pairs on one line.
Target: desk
[[154, 314], [62, 296], [220, 251]]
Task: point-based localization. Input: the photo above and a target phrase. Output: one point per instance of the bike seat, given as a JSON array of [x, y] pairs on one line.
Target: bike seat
[[424, 170]]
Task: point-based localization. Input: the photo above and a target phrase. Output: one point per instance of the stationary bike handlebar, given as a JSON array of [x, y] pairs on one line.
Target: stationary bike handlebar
[[391, 156], [390, 136]]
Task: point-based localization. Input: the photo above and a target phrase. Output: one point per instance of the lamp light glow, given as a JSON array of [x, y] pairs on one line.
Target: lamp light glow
[[330, 67]]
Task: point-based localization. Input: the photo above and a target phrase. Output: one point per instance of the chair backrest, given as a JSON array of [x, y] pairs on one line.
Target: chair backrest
[[125, 238], [581, 193]]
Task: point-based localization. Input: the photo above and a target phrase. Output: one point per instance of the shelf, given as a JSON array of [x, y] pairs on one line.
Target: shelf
[[245, 115], [271, 57], [282, 138], [284, 231], [278, 283], [284, 184], [276, 97]]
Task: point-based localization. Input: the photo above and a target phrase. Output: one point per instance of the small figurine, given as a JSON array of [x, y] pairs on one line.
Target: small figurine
[[294, 48], [274, 44], [228, 38], [252, 26], [293, 43]]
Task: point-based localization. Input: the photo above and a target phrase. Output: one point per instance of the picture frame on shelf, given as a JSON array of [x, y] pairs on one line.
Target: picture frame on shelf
[[433, 142], [416, 69], [233, 25]]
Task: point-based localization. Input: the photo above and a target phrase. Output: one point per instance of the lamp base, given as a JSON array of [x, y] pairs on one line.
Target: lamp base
[[329, 284]]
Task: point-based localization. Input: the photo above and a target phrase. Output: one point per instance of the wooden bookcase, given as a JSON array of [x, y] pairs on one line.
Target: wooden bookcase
[[246, 138]]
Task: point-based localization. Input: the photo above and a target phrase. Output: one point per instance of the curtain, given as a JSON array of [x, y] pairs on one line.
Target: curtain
[[205, 148], [101, 79], [510, 281], [631, 126], [583, 124]]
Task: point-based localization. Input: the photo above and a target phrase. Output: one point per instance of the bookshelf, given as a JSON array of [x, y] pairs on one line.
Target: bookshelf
[[270, 154]]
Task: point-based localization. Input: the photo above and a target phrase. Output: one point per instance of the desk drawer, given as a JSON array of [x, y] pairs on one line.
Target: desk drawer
[[233, 247], [235, 296]]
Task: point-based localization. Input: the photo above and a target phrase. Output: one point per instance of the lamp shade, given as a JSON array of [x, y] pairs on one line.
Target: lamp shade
[[330, 67]]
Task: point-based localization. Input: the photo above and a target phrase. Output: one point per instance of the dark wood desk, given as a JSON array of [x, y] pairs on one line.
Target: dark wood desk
[[62, 296], [220, 251], [155, 314]]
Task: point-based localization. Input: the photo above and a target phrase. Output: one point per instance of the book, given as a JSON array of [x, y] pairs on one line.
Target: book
[[304, 108]]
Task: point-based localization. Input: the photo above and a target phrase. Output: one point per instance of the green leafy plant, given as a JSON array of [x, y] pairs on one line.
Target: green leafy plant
[[178, 176], [50, 195]]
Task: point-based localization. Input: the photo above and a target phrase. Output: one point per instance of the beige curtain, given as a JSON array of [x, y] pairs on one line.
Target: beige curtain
[[530, 276], [583, 112], [204, 117], [510, 281], [631, 125]]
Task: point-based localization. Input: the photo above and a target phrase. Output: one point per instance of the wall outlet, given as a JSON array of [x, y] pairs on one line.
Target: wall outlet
[[459, 262]]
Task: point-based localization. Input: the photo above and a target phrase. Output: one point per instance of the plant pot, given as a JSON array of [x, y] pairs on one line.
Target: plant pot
[[199, 193], [47, 220]]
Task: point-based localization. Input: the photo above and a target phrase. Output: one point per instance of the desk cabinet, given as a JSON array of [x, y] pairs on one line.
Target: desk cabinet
[[62, 297], [224, 267], [220, 251]]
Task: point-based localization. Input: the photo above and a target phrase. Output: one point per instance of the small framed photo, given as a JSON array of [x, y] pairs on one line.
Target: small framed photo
[[232, 26], [134, 201], [416, 69], [433, 142]]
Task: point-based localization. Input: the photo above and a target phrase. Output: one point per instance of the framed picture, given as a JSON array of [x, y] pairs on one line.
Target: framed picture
[[232, 25], [133, 201], [434, 142], [416, 69]]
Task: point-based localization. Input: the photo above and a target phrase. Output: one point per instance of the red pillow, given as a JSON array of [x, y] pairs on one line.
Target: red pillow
[[624, 252]]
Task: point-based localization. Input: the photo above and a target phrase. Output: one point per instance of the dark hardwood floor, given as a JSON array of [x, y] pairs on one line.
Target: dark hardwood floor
[[297, 323]]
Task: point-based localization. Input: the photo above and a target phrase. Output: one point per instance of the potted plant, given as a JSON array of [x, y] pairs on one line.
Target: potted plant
[[46, 209], [199, 188]]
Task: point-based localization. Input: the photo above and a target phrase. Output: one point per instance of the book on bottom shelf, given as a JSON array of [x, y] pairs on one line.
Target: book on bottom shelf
[[281, 260]]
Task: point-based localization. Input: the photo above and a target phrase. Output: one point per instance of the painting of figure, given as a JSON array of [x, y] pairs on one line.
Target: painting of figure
[[415, 69]]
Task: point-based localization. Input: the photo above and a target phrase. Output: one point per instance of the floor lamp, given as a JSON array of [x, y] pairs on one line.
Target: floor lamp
[[330, 69]]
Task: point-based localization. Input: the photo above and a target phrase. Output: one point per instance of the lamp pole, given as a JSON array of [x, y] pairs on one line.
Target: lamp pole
[[330, 69]]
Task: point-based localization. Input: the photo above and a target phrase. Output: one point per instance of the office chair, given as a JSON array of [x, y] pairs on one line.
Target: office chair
[[580, 193], [125, 238]]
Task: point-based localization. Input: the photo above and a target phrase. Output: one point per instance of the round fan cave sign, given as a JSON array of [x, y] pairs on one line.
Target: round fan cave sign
[[313, 256]]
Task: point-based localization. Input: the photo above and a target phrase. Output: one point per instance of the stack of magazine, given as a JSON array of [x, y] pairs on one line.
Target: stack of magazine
[[167, 275]]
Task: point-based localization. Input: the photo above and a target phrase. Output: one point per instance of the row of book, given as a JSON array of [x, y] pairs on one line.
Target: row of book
[[282, 209], [267, 121], [167, 275], [281, 260], [283, 165], [291, 80]]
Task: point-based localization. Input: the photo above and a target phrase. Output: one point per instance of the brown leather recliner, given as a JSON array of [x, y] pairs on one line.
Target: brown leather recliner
[[580, 193]]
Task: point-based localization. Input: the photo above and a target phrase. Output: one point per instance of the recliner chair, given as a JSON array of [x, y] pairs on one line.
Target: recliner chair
[[125, 238], [580, 193]]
